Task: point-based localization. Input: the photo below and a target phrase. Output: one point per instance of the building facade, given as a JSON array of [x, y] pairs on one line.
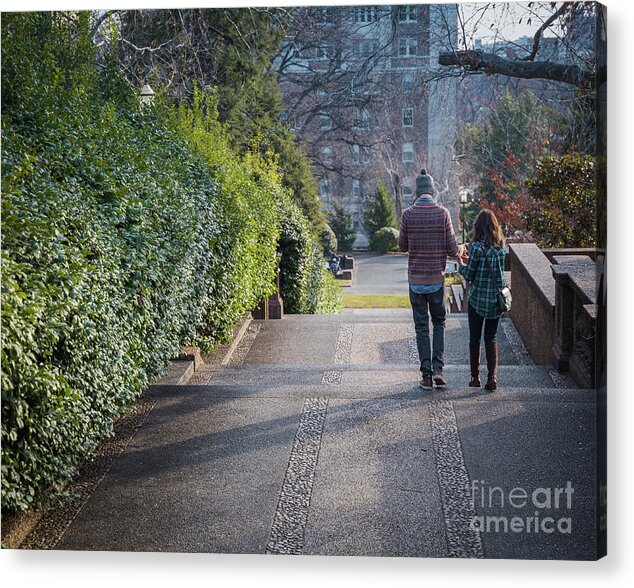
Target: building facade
[[363, 90]]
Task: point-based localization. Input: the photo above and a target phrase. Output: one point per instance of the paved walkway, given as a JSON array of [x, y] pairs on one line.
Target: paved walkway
[[379, 274], [317, 440]]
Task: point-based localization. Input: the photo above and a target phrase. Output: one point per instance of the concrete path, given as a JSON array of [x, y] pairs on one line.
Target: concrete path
[[317, 440], [379, 274]]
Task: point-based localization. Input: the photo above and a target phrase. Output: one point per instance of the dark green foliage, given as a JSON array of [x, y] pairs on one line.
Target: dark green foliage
[[386, 240], [127, 232], [230, 50], [381, 213], [341, 224], [307, 286], [327, 240], [298, 175], [564, 191]]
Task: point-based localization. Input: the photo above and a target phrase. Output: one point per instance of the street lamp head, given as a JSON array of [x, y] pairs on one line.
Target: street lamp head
[[147, 94]]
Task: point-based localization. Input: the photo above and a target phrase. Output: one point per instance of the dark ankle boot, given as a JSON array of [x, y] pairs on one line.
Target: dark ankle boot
[[474, 360], [491, 350]]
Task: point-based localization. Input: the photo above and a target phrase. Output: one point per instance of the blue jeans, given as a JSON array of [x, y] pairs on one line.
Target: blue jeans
[[475, 328], [424, 305]]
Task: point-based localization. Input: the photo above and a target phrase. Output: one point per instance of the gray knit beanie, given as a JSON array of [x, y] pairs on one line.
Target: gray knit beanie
[[424, 183]]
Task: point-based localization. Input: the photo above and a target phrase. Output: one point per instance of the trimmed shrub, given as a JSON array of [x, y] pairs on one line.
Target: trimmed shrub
[[127, 232], [328, 240], [385, 240], [307, 286]]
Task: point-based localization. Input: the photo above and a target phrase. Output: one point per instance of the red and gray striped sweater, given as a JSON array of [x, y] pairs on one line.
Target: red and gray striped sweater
[[427, 234]]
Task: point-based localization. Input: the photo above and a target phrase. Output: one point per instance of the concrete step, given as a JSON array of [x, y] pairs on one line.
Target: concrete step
[[514, 376], [408, 388], [373, 337]]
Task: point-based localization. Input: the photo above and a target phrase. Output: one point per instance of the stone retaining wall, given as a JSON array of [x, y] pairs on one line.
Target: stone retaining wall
[[533, 310]]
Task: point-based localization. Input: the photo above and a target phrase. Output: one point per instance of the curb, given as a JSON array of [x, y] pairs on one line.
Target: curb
[[236, 341]]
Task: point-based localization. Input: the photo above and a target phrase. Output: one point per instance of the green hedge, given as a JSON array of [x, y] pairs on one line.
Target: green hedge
[[307, 286], [126, 233]]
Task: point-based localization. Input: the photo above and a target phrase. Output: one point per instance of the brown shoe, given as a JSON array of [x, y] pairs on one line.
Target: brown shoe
[[439, 379], [425, 382]]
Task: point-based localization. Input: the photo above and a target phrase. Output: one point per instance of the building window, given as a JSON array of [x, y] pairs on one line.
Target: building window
[[365, 48], [356, 221], [356, 154], [326, 155], [406, 194], [360, 118], [360, 154], [325, 122], [324, 15], [407, 47], [356, 189], [408, 152], [408, 117], [324, 189], [366, 14], [325, 51], [408, 83], [408, 13]]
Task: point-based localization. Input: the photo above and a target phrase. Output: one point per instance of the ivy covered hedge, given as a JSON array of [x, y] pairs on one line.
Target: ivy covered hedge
[[126, 233]]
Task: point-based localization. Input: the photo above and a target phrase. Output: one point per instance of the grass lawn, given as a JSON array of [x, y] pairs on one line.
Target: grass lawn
[[376, 301]]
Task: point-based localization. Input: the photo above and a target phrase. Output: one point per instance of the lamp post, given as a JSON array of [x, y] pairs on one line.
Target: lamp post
[[147, 94], [463, 201]]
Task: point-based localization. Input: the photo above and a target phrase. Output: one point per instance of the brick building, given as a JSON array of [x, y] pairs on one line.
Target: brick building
[[363, 90]]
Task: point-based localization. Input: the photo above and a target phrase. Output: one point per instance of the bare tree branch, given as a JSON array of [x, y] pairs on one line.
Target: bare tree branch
[[538, 35], [490, 63]]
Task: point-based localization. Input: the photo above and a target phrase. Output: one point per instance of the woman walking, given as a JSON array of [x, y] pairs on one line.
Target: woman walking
[[484, 271]]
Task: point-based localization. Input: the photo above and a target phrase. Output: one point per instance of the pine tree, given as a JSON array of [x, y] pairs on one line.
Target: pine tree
[[381, 213], [341, 224]]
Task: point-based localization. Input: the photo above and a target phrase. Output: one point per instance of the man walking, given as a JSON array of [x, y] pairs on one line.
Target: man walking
[[427, 234]]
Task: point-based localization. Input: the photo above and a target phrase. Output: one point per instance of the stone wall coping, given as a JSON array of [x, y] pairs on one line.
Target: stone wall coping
[[582, 278], [577, 260], [537, 267], [591, 252]]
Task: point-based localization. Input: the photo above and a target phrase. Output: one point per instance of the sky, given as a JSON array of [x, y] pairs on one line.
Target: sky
[[505, 18], [505, 13]]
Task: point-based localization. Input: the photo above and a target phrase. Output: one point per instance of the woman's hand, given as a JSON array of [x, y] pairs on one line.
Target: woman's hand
[[463, 254]]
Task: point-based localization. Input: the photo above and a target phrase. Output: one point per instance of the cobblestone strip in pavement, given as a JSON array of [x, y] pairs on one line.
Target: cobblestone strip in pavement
[[453, 479], [291, 515], [342, 355], [516, 343], [412, 348]]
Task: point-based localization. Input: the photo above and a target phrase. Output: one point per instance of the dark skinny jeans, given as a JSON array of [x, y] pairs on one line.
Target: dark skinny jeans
[[432, 357], [475, 328]]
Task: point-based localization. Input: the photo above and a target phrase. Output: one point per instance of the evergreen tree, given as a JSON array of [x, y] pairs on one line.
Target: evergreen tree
[[381, 213], [341, 224]]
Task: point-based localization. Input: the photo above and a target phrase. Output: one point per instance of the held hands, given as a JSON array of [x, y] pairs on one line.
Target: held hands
[[463, 254]]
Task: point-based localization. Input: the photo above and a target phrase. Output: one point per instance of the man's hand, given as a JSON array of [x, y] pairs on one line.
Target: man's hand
[[463, 254]]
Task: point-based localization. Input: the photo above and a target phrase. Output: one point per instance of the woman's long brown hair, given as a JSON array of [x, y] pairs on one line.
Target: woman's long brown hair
[[487, 229]]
